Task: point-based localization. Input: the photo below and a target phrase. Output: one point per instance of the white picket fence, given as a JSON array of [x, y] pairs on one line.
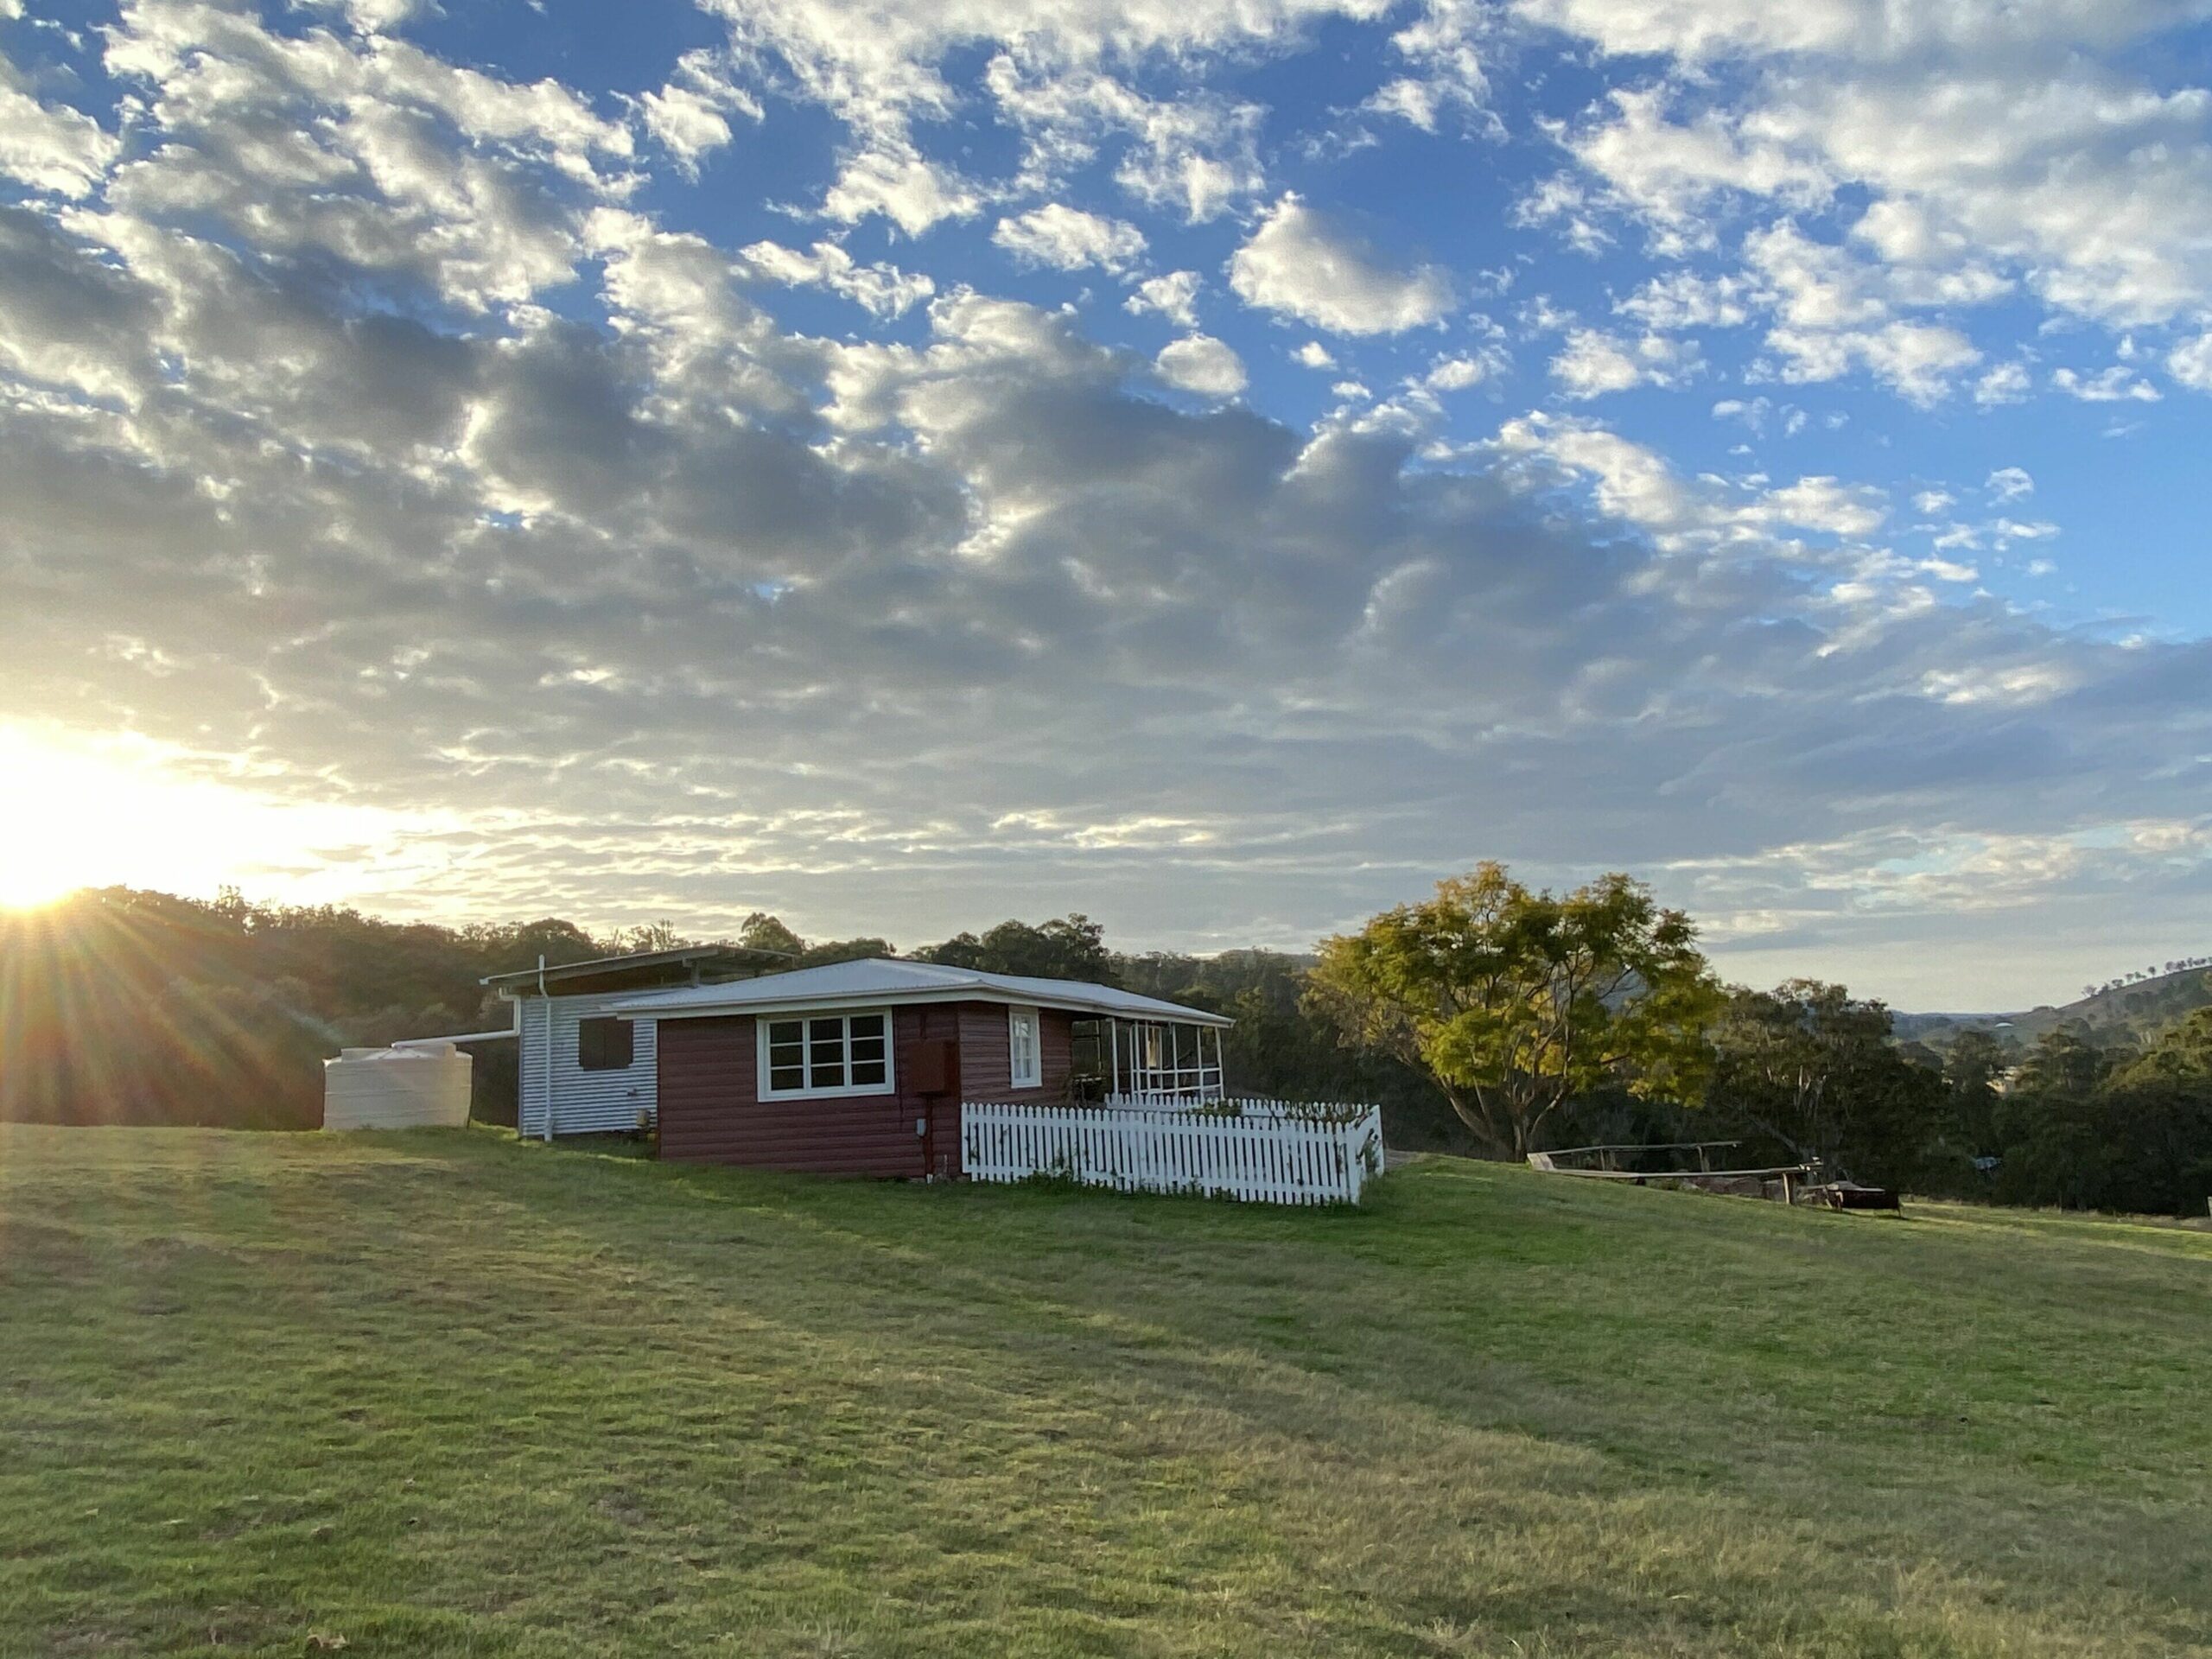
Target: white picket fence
[[1269, 1153]]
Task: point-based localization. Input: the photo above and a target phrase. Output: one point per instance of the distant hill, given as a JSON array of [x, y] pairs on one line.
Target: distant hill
[[2136, 1008]]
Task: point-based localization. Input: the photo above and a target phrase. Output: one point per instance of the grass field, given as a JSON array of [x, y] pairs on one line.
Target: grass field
[[446, 1393]]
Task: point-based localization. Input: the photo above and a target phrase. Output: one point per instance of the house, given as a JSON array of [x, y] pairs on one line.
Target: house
[[580, 1070], [860, 1068]]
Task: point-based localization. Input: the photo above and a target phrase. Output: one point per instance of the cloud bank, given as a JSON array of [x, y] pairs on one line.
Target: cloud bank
[[368, 439]]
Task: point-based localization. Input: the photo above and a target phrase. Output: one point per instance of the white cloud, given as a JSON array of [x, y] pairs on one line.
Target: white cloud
[[1301, 264], [2007, 383], [1314, 355], [880, 288], [894, 179], [1933, 501], [2010, 484], [1833, 313], [1068, 238], [2117, 384], [1823, 503], [1460, 372], [1682, 299], [1197, 152], [2191, 363], [690, 114], [1594, 363], [1669, 172], [1173, 296], [51, 147], [1992, 143], [1060, 74], [1203, 364], [1441, 47]]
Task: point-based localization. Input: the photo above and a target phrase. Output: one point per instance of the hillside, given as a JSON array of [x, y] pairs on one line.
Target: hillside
[[2137, 1011], [447, 1395]]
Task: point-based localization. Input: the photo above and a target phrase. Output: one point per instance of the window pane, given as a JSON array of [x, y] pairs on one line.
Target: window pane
[[825, 1053], [870, 1049], [605, 1044], [787, 1054]]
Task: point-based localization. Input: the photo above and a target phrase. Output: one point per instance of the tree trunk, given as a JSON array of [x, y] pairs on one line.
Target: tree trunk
[[1475, 1113]]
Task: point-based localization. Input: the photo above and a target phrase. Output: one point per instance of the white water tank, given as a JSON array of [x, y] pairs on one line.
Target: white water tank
[[411, 1088]]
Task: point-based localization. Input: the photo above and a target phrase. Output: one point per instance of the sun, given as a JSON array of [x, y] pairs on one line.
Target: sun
[[32, 890], [122, 811], [69, 821]]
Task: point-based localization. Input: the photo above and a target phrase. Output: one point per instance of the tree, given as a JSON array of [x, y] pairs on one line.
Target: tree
[[1812, 1067], [1515, 1001], [762, 932], [2183, 1053], [1069, 947], [1974, 1069], [822, 951], [2092, 1127], [647, 935]]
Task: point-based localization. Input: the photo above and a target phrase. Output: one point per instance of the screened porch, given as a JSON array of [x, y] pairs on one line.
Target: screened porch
[[1148, 1062]]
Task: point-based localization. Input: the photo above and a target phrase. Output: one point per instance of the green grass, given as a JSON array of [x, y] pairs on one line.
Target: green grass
[[445, 1394]]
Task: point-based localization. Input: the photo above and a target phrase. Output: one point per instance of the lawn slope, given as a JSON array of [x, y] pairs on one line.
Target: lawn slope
[[445, 1394]]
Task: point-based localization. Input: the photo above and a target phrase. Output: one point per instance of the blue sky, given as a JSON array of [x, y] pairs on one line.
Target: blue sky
[[1216, 465]]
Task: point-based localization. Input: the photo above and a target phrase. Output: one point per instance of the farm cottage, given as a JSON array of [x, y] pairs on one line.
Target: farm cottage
[[862, 1067]]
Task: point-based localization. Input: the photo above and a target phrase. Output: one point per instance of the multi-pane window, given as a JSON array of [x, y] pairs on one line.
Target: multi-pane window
[[826, 1054], [1025, 1048]]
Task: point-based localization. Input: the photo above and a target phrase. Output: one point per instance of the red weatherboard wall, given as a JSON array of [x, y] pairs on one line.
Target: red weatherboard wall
[[711, 1111]]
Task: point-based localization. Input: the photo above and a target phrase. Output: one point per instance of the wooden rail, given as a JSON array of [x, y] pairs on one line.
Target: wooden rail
[[1786, 1173]]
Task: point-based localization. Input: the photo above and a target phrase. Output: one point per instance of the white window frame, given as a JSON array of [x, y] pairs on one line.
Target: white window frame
[[1016, 1013], [837, 1091]]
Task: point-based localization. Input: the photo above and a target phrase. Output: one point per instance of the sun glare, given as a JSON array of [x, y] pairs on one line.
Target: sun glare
[[120, 812]]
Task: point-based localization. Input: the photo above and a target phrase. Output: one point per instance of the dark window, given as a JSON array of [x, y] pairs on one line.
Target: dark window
[[605, 1044], [787, 1054], [825, 1053], [868, 1063]]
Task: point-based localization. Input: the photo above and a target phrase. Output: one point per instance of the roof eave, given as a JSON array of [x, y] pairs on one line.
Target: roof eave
[[598, 965], [1173, 1014]]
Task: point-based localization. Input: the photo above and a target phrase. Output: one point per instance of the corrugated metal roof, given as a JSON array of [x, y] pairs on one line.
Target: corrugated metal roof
[[883, 979], [679, 956]]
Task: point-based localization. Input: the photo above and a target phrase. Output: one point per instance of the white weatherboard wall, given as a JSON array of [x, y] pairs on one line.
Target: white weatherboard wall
[[584, 1102]]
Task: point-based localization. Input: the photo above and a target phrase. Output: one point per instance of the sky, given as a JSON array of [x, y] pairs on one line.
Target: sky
[[1216, 465]]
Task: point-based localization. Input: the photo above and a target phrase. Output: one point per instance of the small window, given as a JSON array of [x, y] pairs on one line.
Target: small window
[[826, 1054], [605, 1044], [1025, 1048]]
